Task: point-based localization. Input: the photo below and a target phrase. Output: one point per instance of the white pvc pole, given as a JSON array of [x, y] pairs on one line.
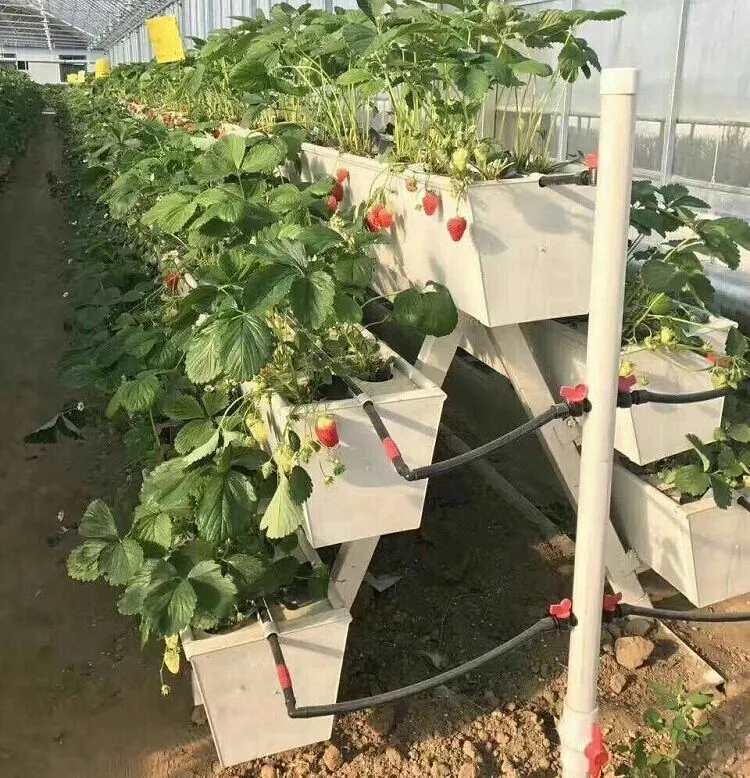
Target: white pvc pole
[[617, 126]]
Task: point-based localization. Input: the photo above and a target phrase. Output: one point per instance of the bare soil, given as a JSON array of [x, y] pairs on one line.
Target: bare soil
[[80, 700]]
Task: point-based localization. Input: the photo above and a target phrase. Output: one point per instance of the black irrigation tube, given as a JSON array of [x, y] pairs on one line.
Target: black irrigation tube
[[673, 615], [642, 396], [547, 624]]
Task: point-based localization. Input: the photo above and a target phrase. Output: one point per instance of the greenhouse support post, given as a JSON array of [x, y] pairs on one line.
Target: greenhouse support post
[[581, 752]]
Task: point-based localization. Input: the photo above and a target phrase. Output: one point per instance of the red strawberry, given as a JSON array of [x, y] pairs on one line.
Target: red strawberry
[[430, 203], [326, 431], [412, 185], [372, 217], [385, 217], [216, 133], [456, 228], [342, 175], [172, 281], [338, 191], [333, 204]]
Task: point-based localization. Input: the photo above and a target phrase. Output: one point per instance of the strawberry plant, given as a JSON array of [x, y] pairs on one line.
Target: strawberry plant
[[201, 281], [667, 292], [678, 723], [21, 104]]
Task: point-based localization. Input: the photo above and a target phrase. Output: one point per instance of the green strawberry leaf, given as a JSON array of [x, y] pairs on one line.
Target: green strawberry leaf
[[702, 449], [283, 515], [214, 590], [194, 434], [250, 569], [169, 603], [98, 522], [172, 212], [154, 530], [692, 480], [226, 507], [311, 298], [120, 561], [722, 491], [181, 407], [83, 562], [300, 485], [265, 156]]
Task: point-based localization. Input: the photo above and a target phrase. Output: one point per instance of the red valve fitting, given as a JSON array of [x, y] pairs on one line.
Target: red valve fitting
[[612, 602], [577, 398], [562, 612], [596, 753]]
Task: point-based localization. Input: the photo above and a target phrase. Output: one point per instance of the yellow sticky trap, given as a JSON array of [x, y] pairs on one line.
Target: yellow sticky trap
[[165, 39], [102, 67]]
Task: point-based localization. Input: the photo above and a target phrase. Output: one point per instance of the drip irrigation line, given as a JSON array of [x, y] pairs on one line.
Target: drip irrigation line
[[692, 615], [642, 396], [547, 624]]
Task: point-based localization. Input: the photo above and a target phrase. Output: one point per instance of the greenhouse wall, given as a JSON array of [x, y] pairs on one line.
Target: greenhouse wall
[[693, 105], [48, 67]]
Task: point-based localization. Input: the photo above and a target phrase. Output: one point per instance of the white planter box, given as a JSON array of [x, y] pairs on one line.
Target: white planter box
[[702, 550], [369, 498], [526, 253], [236, 679], [644, 433]]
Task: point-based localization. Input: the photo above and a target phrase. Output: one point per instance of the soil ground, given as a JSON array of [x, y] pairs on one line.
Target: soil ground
[[80, 700]]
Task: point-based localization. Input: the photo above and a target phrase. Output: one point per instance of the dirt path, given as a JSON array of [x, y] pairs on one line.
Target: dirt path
[[78, 699]]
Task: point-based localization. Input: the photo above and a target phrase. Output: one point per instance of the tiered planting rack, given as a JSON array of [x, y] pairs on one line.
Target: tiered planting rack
[[526, 258]]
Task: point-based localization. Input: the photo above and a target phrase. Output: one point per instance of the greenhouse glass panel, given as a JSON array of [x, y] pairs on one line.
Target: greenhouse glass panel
[[713, 116], [645, 38]]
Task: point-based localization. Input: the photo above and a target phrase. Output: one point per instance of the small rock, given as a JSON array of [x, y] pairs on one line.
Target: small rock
[[507, 769], [216, 768], [381, 720], [198, 716], [607, 639], [632, 652], [544, 764], [269, 771], [614, 630], [440, 770], [468, 771], [700, 717], [549, 696], [638, 627], [617, 682], [608, 648], [511, 706], [332, 758], [393, 756], [470, 752]]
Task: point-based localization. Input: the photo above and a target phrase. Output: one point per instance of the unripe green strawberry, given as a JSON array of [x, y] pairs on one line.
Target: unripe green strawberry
[[667, 336], [460, 159], [719, 380]]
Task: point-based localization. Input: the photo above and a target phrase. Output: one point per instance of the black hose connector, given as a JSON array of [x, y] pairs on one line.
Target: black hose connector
[[584, 178]]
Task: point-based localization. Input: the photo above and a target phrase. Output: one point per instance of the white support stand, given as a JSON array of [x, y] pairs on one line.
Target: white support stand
[[582, 753], [350, 567]]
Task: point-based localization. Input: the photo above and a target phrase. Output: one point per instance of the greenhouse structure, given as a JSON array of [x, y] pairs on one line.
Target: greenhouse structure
[[376, 384]]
